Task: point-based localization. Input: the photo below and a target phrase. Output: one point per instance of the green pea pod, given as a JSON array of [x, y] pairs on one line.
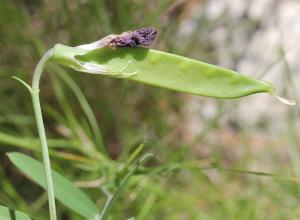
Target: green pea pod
[[163, 70]]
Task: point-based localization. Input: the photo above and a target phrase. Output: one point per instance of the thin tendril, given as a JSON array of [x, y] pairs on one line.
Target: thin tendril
[[285, 101]]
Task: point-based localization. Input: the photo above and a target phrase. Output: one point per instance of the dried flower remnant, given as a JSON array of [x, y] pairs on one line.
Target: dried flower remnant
[[143, 37]]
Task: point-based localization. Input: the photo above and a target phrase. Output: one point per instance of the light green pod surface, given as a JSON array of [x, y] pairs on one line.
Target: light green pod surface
[[176, 72]]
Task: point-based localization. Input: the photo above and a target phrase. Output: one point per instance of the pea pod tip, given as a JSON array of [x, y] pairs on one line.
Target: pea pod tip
[[272, 92], [285, 101]]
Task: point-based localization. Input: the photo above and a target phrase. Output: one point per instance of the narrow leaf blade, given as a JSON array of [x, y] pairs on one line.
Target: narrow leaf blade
[[11, 214], [65, 191]]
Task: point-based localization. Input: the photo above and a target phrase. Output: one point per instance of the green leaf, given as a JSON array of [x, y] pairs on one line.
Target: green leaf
[[65, 191], [161, 69], [10, 214]]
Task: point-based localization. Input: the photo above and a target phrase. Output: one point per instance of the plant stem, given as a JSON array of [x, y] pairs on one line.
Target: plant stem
[[41, 130]]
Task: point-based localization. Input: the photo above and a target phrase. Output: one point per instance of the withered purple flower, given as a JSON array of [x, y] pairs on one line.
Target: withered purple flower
[[143, 36]]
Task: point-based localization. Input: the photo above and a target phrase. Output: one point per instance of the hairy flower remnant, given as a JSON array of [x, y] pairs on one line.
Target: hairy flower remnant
[[143, 36]]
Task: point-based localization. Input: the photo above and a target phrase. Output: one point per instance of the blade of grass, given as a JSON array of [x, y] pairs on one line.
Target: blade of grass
[[10, 214], [33, 143], [257, 173], [135, 154], [84, 105], [107, 208], [12, 193], [292, 147], [146, 208], [87, 146]]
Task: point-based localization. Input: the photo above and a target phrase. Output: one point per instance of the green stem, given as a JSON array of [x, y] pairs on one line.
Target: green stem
[[41, 130]]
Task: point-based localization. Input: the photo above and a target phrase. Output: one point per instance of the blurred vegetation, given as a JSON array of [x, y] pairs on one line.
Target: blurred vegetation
[[207, 176]]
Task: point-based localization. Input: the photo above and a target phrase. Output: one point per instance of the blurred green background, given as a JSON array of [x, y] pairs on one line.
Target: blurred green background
[[214, 159]]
